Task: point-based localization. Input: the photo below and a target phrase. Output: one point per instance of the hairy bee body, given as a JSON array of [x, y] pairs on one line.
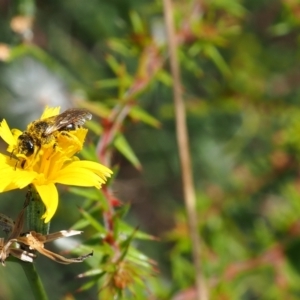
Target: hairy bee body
[[41, 132]]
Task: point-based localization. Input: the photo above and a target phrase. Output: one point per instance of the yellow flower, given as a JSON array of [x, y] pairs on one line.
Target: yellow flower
[[53, 162]]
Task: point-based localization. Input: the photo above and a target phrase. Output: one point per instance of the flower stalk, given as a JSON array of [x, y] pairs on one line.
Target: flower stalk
[[34, 212], [34, 281]]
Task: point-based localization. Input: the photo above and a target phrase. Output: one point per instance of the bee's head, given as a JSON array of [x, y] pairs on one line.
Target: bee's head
[[25, 144]]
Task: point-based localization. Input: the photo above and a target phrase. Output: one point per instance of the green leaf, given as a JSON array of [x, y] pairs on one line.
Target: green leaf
[[137, 23], [107, 83], [164, 77], [95, 127], [91, 194], [93, 222], [232, 7], [122, 145], [113, 63], [124, 245], [122, 211], [213, 53], [89, 284], [190, 63], [119, 46], [138, 113], [86, 192], [141, 259], [280, 29], [127, 229], [89, 152], [96, 108], [81, 224], [91, 273]]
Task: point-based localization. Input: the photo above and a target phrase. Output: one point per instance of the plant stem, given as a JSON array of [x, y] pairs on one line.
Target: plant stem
[[184, 153], [35, 211], [35, 208], [34, 281]]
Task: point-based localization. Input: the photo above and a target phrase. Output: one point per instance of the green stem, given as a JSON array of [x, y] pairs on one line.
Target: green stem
[[34, 281], [35, 211]]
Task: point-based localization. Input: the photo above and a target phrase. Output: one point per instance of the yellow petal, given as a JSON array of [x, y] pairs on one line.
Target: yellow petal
[[79, 177], [71, 143], [16, 132], [49, 196], [11, 176], [23, 178], [7, 184], [75, 179], [83, 173], [6, 134], [7, 173], [93, 166], [50, 112]]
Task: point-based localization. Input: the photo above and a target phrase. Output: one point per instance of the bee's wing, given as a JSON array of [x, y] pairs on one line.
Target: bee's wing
[[76, 116]]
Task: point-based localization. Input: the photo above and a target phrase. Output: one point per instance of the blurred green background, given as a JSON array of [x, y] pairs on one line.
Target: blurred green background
[[240, 64]]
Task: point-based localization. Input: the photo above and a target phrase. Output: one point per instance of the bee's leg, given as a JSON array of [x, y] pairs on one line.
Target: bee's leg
[[22, 164], [54, 149], [62, 133], [37, 150], [65, 133], [11, 154]]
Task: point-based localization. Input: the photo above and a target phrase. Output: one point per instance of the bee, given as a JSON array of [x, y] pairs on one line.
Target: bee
[[41, 132]]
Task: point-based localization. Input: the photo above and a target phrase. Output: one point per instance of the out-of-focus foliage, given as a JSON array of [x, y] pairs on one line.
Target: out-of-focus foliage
[[240, 72]]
